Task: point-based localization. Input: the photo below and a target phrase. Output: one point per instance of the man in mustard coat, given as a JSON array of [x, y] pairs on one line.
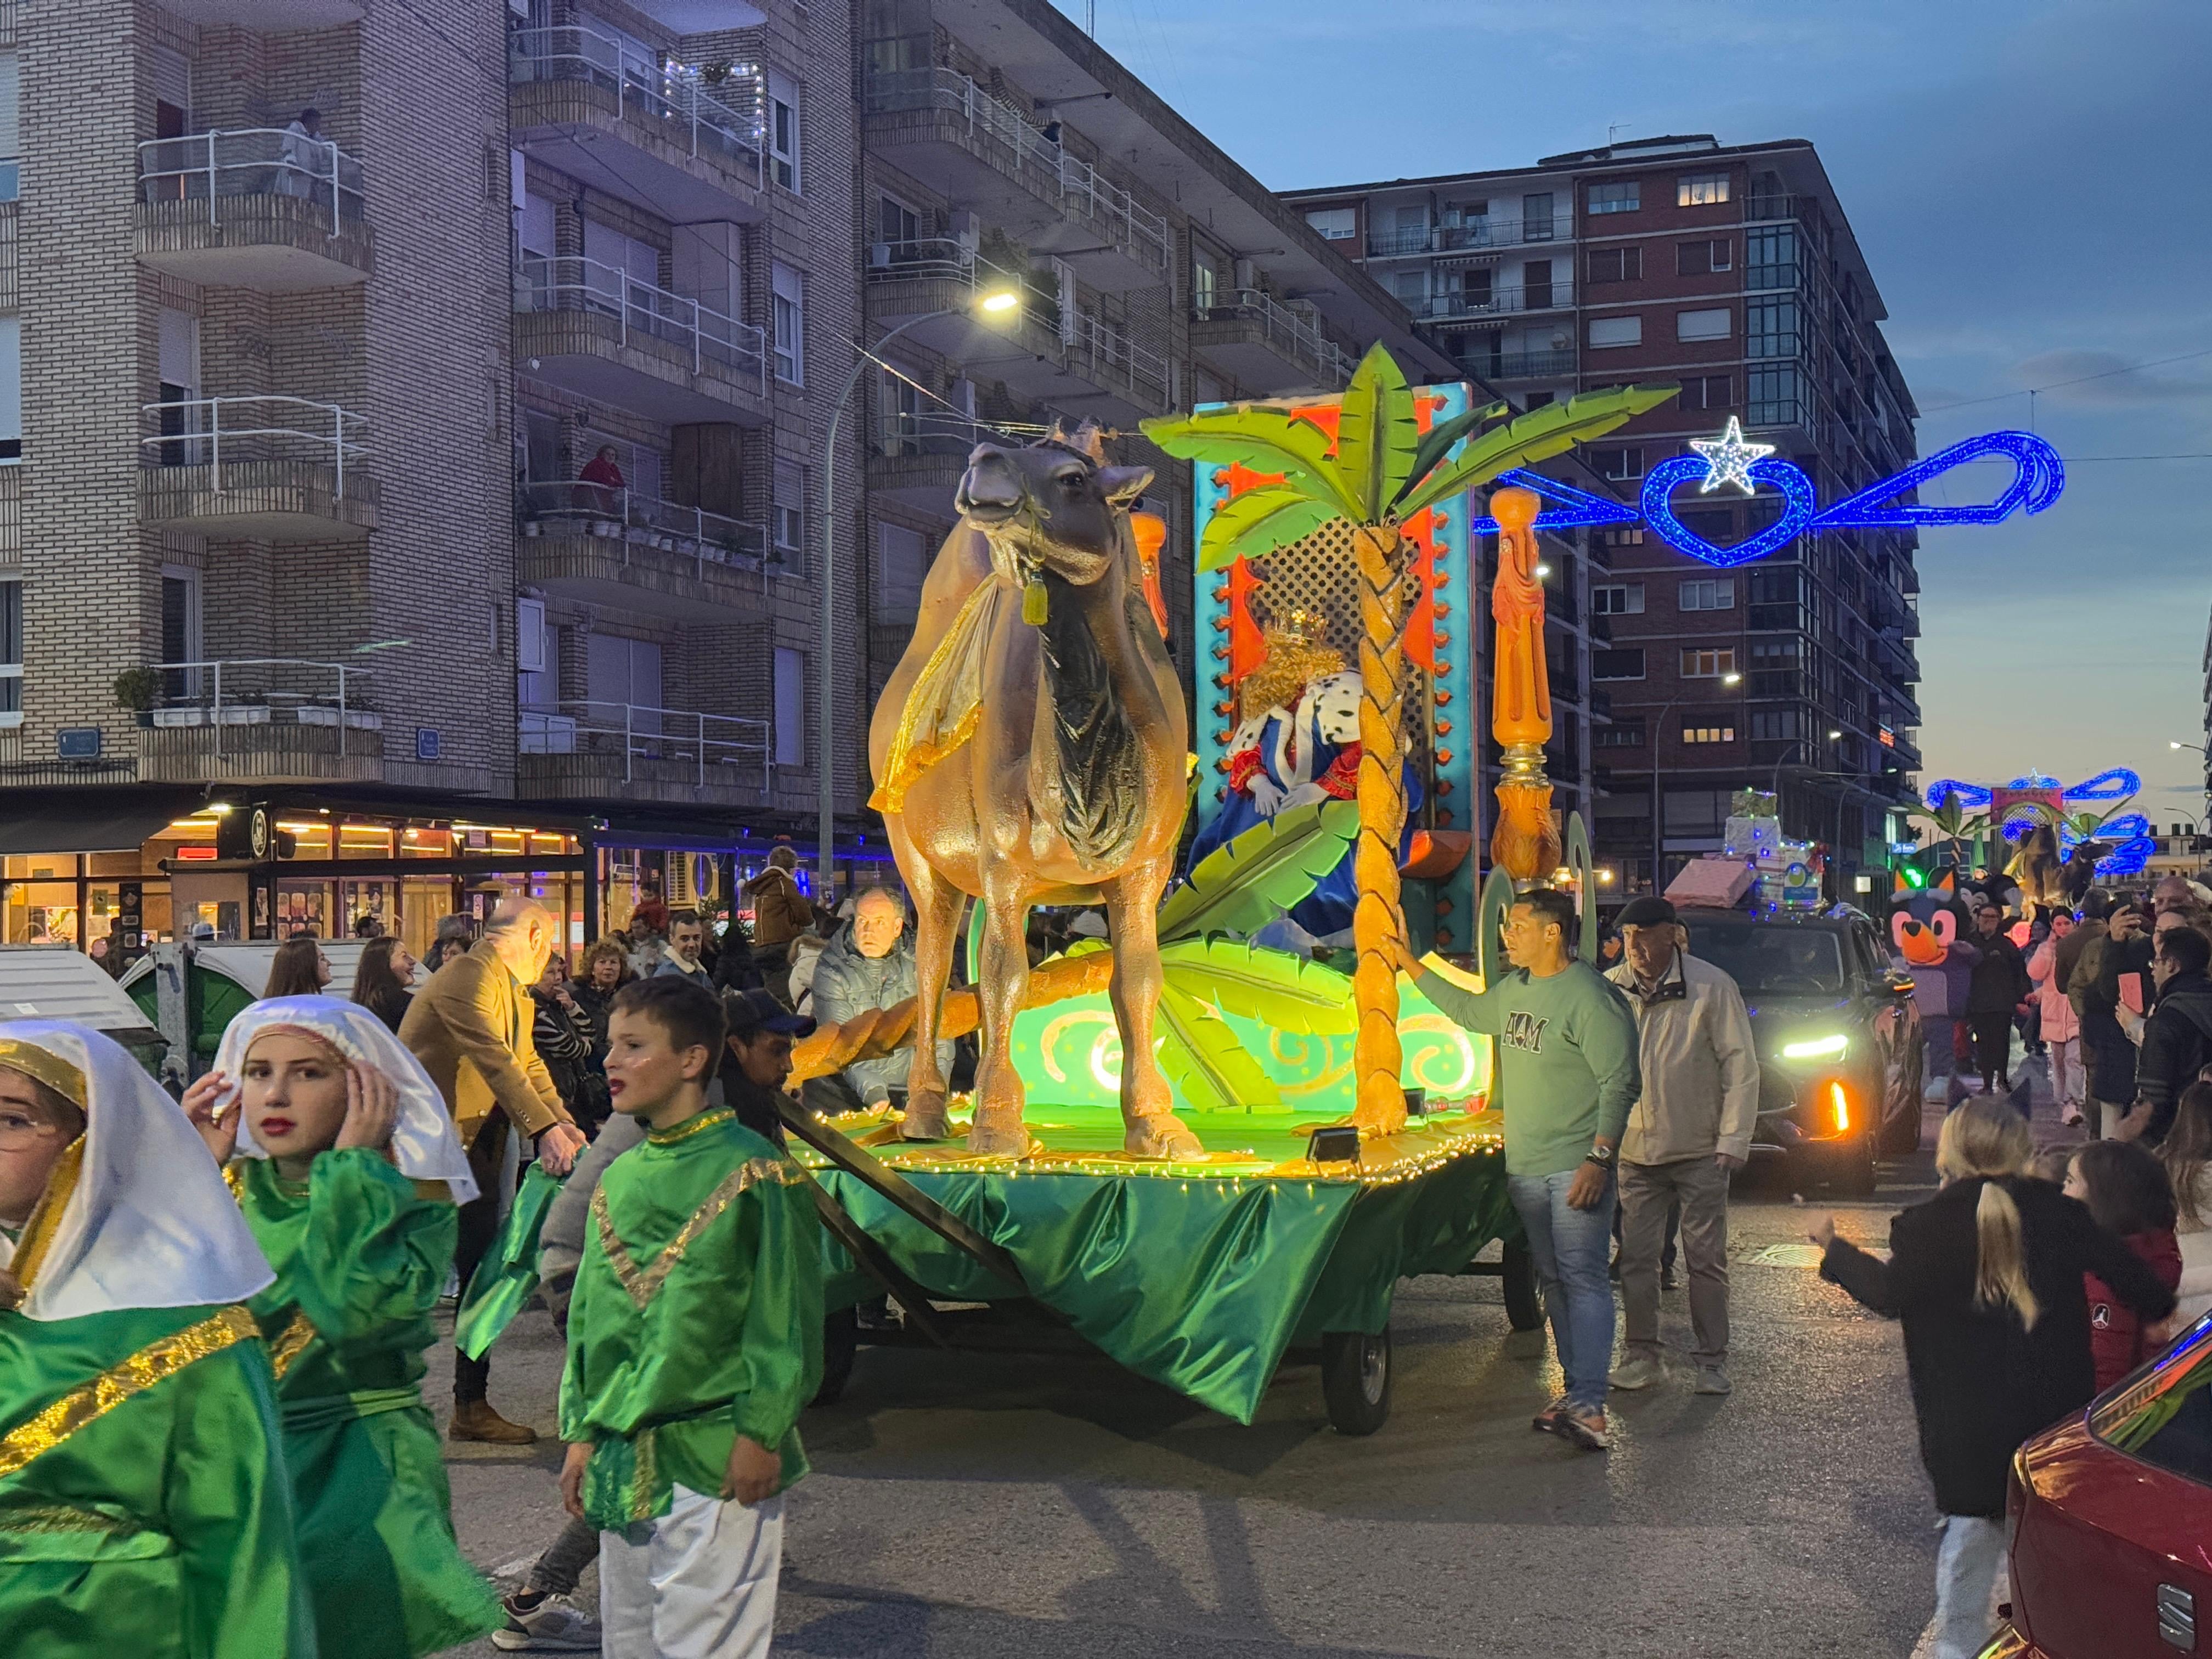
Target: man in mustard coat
[[469, 1026]]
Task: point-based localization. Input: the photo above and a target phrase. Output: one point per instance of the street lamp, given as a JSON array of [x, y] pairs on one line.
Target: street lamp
[[1658, 726], [2171, 742], [992, 302]]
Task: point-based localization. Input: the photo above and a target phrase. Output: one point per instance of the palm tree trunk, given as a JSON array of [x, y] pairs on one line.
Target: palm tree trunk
[[1380, 1101]]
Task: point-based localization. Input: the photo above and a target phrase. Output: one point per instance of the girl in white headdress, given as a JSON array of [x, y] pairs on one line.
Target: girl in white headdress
[[348, 1172], [143, 1503]]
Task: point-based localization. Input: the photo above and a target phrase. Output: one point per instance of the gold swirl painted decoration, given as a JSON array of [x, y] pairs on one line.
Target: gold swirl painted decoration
[[1059, 1026], [1444, 1063]]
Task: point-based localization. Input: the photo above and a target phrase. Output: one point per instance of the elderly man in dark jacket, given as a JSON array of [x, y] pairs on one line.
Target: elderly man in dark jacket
[[870, 964]]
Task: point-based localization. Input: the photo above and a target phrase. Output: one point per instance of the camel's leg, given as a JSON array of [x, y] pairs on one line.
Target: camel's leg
[[1133, 903], [939, 906], [1003, 977]]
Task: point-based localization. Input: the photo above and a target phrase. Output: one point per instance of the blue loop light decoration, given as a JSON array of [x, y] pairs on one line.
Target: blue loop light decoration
[[1576, 507], [2039, 475], [1967, 794], [2115, 785], [2130, 831]]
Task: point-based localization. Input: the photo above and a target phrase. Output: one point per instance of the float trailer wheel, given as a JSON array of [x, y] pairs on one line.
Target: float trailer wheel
[[1355, 1380]]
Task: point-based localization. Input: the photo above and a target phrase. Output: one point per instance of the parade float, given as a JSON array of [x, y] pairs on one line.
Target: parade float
[[1223, 1134]]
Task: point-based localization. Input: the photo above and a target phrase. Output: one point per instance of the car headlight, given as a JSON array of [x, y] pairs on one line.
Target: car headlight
[[1819, 1048]]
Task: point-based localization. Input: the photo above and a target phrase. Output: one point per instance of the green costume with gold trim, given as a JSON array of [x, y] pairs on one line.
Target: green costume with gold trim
[[143, 1505], [697, 1316], [360, 1253]]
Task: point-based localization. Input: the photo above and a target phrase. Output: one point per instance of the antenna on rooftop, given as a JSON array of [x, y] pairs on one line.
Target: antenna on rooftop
[[1613, 132]]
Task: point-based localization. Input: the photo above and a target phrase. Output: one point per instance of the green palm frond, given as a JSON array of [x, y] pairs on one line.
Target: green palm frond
[[1265, 437], [1242, 886], [1377, 434], [1206, 1060], [1277, 988], [1539, 434], [1442, 435], [1257, 522]]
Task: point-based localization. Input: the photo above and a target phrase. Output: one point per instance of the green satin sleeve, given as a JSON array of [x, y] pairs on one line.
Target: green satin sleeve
[[375, 1253], [779, 1347], [229, 1509]]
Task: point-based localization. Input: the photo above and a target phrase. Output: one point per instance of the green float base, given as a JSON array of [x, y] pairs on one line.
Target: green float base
[[1198, 1276]]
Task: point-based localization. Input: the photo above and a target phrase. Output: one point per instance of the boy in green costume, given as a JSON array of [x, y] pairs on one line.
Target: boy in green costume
[[143, 1504], [348, 1171], [695, 1338]]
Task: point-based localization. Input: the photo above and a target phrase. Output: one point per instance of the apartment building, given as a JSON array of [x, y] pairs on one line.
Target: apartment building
[[1732, 270], [419, 494]]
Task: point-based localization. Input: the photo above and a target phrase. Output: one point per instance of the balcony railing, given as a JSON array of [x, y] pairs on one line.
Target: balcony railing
[[258, 691], [1487, 302], [252, 161], [623, 516], [1522, 365], [1451, 238], [1113, 354], [253, 432], [1298, 338], [721, 120], [941, 258], [713, 745], [643, 310], [1045, 165], [911, 432]]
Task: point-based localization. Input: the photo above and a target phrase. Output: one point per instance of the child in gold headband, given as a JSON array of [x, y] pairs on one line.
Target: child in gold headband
[[143, 1503], [348, 1171]]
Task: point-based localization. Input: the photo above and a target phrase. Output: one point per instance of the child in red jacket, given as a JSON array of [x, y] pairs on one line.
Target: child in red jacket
[[2128, 1194]]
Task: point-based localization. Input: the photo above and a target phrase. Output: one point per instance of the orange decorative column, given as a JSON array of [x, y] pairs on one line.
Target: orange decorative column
[[1380, 1101], [1526, 844]]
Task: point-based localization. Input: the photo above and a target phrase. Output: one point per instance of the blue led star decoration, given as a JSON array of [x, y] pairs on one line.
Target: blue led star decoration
[[1729, 458]]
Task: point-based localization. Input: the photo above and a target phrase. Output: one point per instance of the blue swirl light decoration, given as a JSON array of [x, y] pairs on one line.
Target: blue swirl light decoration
[[2132, 830]]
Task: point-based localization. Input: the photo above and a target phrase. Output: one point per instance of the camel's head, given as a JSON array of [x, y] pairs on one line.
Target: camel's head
[[1058, 503]]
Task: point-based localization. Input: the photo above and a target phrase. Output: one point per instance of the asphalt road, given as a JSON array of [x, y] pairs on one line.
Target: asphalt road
[[970, 1505]]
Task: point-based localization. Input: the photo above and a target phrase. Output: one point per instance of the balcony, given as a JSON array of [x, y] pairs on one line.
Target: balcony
[[1453, 239], [1522, 365], [271, 469], [258, 206], [1457, 304], [941, 127], [662, 136], [615, 547], [1045, 351], [10, 256], [604, 335], [1267, 347], [271, 720], [268, 16], [588, 751], [918, 456]]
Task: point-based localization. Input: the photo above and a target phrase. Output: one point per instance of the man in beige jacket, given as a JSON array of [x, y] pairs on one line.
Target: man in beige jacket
[[1688, 1132], [469, 1026]]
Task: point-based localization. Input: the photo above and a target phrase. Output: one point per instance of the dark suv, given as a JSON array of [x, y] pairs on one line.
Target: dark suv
[[1839, 1038]]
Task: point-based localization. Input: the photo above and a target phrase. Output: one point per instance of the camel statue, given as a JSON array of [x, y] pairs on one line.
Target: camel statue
[[1030, 749]]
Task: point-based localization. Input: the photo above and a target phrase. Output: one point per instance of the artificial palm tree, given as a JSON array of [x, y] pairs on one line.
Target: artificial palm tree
[[1381, 472]]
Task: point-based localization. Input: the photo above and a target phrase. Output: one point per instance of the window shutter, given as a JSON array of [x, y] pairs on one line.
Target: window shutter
[[530, 637]]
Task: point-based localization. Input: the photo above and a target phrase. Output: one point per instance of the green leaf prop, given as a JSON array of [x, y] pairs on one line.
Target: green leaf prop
[[1377, 434], [1258, 522], [1262, 437], [1203, 1058], [1242, 887], [1442, 435], [1539, 434], [1276, 988]]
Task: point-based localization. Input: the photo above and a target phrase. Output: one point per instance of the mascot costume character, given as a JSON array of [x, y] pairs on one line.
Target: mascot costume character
[[1929, 928]]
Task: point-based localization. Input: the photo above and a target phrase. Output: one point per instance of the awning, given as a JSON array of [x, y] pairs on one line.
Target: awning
[[93, 823]]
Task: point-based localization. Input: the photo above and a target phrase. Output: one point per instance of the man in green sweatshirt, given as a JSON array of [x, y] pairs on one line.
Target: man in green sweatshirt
[[1566, 1073]]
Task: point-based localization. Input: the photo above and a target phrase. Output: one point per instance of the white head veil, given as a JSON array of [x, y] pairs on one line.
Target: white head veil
[[147, 1221], [423, 1145]]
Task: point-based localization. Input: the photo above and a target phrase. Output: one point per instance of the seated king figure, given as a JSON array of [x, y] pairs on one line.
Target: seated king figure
[[1299, 742]]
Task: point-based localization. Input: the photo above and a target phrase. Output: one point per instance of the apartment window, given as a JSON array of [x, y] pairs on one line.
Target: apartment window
[[1773, 587], [901, 561], [1335, 224], [1411, 288], [1702, 258], [1770, 328], [1632, 536], [1770, 396], [1693, 732], [1623, 663], [1712, 323], [1705, 392], [1617, 599], [790, 321], [1774, 653], [1615, 331], [783, 131], [897, 224], [790, 707], [900, 408], [1701, 188], [1776, 725], [180, 619], [11, 653], [11, 390], [788, 516], [1625, 733], [1616, 265], [1696, 811], [1536, 284], [1717, 594], [619, 670], [1702, 665], [1620, 463], [1536, 216], [1205, 283], [1624, 197], [11, 147], [1769, 257]]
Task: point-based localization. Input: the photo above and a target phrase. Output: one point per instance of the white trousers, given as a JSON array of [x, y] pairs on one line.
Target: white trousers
[[2066, 1071], [697, 1583], [1970, 1581]]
